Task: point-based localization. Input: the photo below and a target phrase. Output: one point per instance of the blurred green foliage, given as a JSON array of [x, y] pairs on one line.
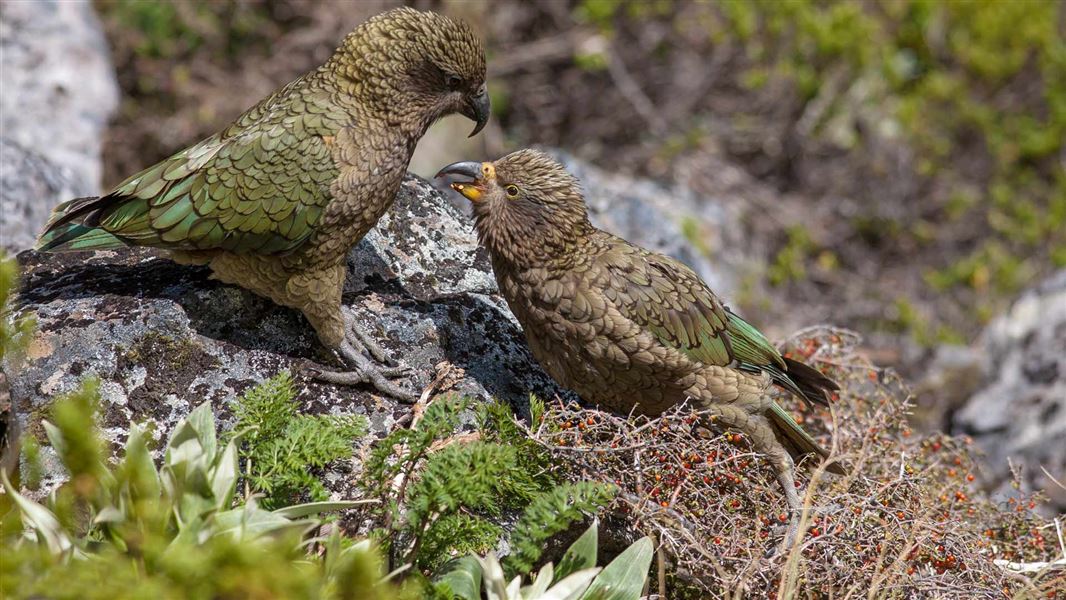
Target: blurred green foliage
[[14, 333], [944, 63], [166, 29], [130, 530], [977, 90]]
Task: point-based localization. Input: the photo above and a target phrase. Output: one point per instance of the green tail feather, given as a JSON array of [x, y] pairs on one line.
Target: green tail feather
[[755, 353], [797, 441], [73, 226], [73, 237]]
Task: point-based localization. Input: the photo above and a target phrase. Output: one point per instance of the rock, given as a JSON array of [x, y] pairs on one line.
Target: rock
[[1019, 414], [28, 175], [163, 338], [57, 93]]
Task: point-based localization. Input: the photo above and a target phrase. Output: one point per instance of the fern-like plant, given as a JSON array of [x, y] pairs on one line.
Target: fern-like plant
[[282, 449], [452, 492]]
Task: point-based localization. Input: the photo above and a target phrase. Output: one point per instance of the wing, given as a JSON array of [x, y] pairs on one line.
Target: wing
[[668, 299], [671, 301], [259, 186]]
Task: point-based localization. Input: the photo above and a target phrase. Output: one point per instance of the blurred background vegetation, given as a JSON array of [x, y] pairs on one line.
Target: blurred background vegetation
[[901, 161]]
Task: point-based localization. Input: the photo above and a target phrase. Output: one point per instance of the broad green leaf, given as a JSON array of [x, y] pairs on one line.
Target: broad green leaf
[[571, 586], [55, 438], [141, 475], [203, 421], [493, 578], [109, 514], [581, 554], [224, 477], [463, 577], [298, 511], [40, 519], [540, 582], [250, 522], [624, 578]]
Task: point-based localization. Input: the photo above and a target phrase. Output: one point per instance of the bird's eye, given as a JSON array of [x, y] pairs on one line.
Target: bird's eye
[[454, 82], [512, 191]]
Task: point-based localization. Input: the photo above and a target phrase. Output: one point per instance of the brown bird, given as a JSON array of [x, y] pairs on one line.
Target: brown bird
[[626, 328], [274, 202]]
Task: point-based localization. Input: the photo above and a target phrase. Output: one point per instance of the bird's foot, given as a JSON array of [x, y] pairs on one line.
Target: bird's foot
[[363, 370], [361, 340]]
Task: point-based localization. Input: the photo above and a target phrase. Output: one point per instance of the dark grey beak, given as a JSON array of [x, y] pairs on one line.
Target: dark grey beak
[[469, 168], [478, 109]]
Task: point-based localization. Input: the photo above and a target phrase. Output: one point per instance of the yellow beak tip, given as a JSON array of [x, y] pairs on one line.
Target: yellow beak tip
[[468, 191]]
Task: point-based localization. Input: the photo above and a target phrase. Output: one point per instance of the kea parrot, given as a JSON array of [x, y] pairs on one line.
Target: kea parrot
[[273, 202], [626, 328]]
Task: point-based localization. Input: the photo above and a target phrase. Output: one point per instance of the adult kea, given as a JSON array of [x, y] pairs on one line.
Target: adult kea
[[274, 202], [626, 328]]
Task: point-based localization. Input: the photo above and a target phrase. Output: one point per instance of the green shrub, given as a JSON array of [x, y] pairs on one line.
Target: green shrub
[[282, 449]]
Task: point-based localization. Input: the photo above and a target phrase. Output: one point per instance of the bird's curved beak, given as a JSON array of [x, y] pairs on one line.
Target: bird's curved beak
[[479, 173], [478, 108]]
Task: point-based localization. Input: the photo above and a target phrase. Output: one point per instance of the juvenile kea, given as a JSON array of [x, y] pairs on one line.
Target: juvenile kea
[[274, 202], [626, 328]]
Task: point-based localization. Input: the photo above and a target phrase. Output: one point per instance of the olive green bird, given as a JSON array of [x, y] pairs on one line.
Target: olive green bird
[[274, 202], [626, 328]]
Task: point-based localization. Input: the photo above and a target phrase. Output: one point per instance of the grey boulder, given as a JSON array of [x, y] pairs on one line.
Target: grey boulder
[[1019, 414], [58, 91]]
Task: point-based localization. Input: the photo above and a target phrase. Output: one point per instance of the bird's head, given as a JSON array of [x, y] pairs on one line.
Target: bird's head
[[527, 207], [415, 67]]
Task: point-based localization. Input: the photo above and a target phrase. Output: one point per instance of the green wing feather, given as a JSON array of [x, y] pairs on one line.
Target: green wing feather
[[666, 297], [756, 353], [673, 303], [260, 186]]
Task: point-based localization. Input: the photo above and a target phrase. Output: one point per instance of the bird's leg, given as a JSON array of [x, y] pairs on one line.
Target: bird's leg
[[318, 296], [361, 340], [783, 468], [764, 440]]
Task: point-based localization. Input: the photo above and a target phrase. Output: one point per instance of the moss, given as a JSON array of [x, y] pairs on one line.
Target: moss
[[790, 263], [969, 83], [690, 229]]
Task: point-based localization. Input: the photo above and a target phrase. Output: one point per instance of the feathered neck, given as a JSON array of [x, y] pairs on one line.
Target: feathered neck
[[522, 236]]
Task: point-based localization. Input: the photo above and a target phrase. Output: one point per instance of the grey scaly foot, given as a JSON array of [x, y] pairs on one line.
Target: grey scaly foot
[[362, 370], [792, 499], [361, 340]]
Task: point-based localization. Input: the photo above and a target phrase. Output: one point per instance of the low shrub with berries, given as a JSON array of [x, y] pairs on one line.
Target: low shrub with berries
[[908, 520]]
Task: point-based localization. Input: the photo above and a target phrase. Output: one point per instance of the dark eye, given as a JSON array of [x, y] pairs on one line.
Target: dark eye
[[512, 191], [453, 82]]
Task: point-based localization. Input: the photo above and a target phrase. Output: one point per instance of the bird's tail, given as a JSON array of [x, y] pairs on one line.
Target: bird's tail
[[797, 441], [74, 225], [807, 382]]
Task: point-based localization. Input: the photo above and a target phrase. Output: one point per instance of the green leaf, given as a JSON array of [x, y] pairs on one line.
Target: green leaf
[[463, 577], [141, 475], [250, 522], [55, 438], [224, 477], [581, 554], [40, 519], [548, 514], [297, 511], [571, 586], [624, 578], [540, 583], [496, 587], [202, 421]]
